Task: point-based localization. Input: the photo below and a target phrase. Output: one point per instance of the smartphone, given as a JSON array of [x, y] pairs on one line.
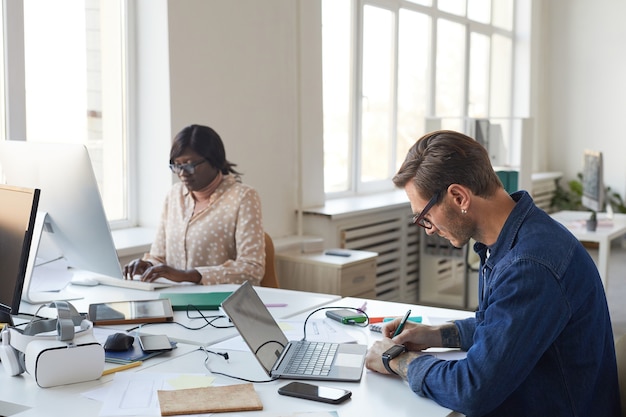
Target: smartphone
[[154, 342], [315, 392], [346, 316]]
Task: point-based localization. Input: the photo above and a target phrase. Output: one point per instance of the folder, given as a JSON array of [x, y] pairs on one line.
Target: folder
[[196, 300]]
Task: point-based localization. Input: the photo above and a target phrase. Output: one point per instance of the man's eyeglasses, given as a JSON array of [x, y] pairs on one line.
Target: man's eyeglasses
[[419, 219], [188, 168]]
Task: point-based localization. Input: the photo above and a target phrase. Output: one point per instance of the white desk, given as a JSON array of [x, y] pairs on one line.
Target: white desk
[[607, 231], [296, 301], [375, 394]]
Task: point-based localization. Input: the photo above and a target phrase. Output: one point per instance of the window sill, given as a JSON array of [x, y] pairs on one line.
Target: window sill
[[133, 241], [365, 204]]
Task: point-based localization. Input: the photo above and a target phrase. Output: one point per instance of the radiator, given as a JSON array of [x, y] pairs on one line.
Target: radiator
[[389, 233]]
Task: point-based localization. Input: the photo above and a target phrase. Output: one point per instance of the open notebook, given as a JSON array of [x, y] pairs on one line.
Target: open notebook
[[281, 358]]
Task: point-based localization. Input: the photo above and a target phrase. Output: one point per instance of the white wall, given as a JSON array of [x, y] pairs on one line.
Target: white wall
[[583, 99], [238, 67]]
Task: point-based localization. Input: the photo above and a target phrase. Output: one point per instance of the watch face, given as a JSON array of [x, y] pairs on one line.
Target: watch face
[[396, 350]]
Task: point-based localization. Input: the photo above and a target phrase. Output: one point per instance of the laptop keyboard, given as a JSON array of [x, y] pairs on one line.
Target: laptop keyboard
[[312, 358]]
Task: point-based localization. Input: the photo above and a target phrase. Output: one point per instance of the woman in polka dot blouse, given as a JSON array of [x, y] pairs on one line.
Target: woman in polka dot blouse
[[211, 228]]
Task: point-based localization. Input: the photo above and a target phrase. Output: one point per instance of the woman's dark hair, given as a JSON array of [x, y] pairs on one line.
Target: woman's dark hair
[[439, 159], [206, 142]]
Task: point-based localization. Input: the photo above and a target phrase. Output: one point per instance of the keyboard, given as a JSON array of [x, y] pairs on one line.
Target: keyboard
[[131, 283], [312, 358]]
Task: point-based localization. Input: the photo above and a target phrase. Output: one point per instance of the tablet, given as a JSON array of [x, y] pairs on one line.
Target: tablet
[[127, 312]]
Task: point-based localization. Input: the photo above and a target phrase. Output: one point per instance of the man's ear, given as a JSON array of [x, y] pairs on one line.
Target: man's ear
[[461, 196]]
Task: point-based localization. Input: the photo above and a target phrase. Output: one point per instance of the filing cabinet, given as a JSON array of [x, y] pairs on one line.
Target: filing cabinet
[[347, 276]]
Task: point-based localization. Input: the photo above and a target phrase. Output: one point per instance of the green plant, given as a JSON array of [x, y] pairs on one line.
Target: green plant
[[571, 198]]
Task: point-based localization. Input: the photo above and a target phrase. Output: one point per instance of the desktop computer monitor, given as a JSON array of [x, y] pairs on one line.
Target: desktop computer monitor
[[18, 208], [593, 183], [71, 224]]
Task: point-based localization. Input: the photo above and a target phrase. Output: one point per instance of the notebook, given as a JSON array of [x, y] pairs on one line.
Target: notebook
[[201, 300], [276, 354]]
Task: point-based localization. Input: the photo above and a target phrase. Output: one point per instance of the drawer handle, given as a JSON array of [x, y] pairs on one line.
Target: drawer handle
[[358, 279]]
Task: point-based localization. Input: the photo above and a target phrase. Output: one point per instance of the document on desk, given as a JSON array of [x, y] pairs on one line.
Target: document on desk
[[135, 393], [317, 330]]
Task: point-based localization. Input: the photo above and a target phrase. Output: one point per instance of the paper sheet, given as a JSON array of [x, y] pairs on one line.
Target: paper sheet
[[317, 330], [136, 393]]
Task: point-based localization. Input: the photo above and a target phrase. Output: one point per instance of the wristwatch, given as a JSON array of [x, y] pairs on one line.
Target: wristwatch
[[389, 354]]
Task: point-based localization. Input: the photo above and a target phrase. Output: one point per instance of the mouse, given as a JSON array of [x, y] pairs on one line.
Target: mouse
[[118, 342]]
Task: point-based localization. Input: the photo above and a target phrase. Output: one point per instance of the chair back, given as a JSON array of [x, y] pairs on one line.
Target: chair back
[[269, 279]]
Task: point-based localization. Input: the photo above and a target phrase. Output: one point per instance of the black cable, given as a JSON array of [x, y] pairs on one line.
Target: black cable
[[364, 324], [224, 355], [209, 320]]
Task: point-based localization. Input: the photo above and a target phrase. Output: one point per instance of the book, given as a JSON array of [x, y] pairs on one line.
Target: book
[[134, 354], [239, 397], [201, 301]]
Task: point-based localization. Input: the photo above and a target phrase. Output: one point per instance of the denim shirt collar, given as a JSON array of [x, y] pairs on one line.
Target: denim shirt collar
[[524, 205]]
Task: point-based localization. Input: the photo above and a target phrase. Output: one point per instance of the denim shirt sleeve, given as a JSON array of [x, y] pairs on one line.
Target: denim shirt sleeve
[[505, 341]]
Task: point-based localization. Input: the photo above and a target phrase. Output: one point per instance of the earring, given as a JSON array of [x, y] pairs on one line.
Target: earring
[[463, 211]]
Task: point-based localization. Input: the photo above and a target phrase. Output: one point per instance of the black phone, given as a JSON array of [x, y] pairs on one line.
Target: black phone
[[154, 342], [315, 392], [346, 316]]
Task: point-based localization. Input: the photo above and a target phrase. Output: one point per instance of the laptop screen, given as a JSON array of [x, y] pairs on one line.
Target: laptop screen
[[255, 325]]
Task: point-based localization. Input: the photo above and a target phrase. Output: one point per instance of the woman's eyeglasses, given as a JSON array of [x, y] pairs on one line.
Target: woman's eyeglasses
[[188, 168], [419, 219]]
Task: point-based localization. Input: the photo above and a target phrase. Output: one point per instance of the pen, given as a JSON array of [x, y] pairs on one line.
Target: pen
[[121, 368], [276, 305], [402, 323]]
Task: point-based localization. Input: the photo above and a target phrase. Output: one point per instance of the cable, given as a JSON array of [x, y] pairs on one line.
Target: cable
[[209, 320], [225, 356], [364, 324]]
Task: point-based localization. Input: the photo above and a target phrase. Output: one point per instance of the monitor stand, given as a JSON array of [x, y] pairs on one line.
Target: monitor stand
[[6, 318]]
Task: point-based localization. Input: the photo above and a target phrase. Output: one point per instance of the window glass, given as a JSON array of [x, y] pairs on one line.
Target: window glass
[[336, 33], [377, 88], [501, 76], [456, 7], [74, 82], [503, 14], [479, 76], [413, 82], [450, 60], [479, 10]]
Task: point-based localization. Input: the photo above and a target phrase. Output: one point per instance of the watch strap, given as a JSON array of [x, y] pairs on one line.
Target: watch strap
[[396, 351]]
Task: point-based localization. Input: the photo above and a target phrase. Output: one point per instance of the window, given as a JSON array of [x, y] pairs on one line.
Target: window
[[390, 65], [73, 74]]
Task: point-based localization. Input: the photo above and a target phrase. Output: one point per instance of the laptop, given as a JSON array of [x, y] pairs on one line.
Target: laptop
[[276, 354]]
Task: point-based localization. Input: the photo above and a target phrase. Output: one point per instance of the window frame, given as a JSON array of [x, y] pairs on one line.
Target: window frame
[[13, 109]]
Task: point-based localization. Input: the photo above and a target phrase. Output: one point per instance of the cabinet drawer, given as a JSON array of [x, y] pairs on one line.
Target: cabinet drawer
[[358, 279]]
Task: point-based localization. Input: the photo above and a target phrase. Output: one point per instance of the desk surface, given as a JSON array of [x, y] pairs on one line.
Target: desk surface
[[296, 301], [375, 394]]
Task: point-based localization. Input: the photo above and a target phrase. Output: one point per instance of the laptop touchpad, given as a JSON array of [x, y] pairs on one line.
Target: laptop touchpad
[[349, 360]]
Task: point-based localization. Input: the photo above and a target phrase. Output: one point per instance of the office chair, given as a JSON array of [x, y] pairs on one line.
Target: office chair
[[269, 279], [620, 354]]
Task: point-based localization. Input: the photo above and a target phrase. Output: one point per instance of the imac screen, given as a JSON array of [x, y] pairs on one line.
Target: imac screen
[[75, 228], [18, 209], [593, 183]]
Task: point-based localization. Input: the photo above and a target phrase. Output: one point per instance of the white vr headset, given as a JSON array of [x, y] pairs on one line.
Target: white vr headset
[[64, 357]]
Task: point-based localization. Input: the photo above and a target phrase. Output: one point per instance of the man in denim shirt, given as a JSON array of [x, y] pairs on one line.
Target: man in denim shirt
[[541, 342]]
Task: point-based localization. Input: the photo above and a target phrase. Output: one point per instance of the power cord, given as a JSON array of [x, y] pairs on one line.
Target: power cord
[[225, 356], [359, 310]]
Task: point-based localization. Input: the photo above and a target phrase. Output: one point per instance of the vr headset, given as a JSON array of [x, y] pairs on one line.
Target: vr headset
[[52, 350]]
